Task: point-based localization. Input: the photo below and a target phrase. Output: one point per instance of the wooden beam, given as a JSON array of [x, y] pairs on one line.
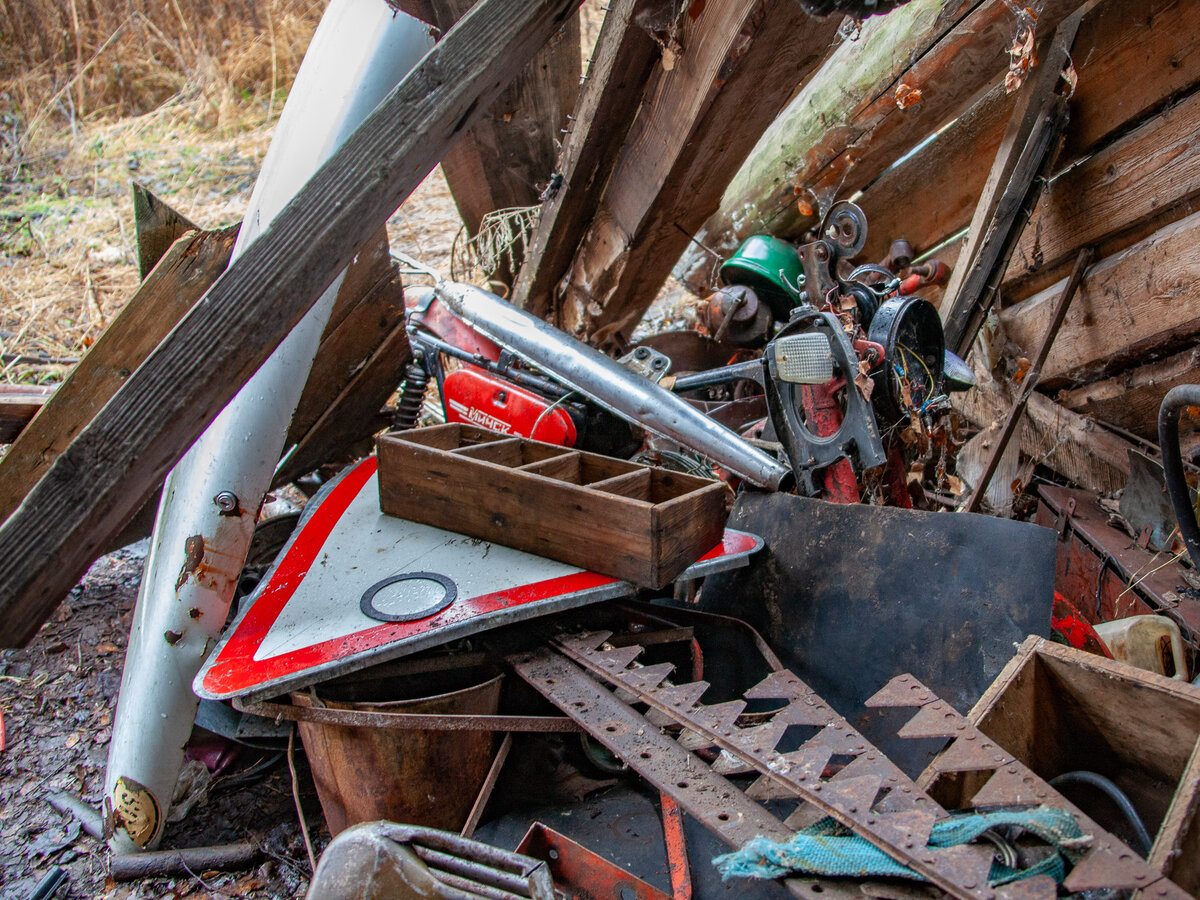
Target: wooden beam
[[369, 306], [178, 281], [18, 404], [508, 157], [1116, 197], [116, 461], [158, 226], [1131, 399], [621, 63], [1131, 306], [697, 122], [846, 128], [1071, 444], [1024, 160]]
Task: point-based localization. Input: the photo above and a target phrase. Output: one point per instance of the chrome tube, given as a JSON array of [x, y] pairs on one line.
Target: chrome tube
[[608, 383]]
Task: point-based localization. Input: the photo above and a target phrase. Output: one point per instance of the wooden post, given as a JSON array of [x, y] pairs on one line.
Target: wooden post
[[117, 460], [609, 101]]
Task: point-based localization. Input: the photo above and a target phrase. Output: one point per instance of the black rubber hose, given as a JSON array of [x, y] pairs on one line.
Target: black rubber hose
[[1117, 796], [1168, 438]]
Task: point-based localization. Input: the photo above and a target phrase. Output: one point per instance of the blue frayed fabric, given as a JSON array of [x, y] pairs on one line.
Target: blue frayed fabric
[[827, 848]]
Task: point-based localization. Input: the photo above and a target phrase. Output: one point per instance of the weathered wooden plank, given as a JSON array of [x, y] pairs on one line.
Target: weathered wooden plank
[[1116, 197], [509, 155], [609, 101], [1130, 400], [1025, 159], [116, 461], [1138, 303], [846, 128], [697, 122], [1131, 58], [178, 281], [369, 305], [353, 415], [1071, 444], [18, 404], [158, 226], [914, 200]]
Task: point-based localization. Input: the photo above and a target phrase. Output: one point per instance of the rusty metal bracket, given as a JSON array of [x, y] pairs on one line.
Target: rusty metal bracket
[[580, 874], [355, 718], [1108, 863]]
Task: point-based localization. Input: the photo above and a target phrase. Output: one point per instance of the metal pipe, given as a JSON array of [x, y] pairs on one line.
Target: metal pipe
[[751, 369], [1168, 438], [608, 383]]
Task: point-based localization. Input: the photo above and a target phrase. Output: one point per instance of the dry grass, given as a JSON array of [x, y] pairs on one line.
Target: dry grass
[[73, 59], [181, 96], [95, 93]]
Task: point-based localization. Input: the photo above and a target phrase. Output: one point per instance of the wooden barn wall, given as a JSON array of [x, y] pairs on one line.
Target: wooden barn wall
[[1126, 183]]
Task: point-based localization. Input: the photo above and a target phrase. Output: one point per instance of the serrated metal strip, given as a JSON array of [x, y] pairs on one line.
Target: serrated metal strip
[[713, 800], [850, 802], [1108, 863]]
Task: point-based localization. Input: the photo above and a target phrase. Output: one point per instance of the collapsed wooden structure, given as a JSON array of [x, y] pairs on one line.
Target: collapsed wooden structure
[[691, 127]]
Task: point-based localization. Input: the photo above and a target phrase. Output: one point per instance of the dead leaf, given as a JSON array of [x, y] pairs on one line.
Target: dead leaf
[[1071, 77], [72, 740], [1023, 58], [106, 647], [956, 485], [907, 95], [1023, 365]]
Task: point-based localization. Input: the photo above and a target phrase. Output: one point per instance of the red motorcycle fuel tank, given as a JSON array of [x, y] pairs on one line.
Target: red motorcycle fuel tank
[[480, 398]]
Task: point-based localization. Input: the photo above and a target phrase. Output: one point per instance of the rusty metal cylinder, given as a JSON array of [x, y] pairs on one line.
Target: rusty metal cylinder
[[416, 777]]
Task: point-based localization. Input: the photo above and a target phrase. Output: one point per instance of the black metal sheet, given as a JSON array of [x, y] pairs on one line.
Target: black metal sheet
[[850, 596]]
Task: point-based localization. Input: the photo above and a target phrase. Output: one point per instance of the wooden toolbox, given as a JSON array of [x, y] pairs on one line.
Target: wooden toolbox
[[638, 523]]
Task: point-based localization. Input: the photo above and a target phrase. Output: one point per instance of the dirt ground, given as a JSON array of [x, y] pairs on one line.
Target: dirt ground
[[67, 265]]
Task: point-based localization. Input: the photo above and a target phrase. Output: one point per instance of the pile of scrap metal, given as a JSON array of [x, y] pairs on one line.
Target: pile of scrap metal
[[550, 621]]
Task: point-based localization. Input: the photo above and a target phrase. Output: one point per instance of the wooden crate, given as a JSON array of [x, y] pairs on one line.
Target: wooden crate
[[1059, 710], [639, 523]]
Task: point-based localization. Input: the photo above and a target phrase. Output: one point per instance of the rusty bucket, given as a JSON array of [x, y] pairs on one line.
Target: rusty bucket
[[418, 777]]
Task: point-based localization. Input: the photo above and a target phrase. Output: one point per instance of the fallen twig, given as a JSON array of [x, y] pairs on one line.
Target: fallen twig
[[183, 862]]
